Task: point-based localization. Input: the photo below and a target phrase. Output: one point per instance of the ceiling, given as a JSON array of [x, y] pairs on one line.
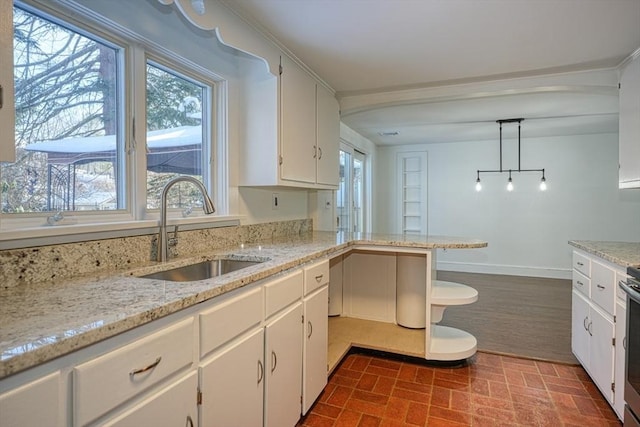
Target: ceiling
[[365, 48]]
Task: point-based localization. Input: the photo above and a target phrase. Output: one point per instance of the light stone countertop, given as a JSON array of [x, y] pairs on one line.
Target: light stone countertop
[[625, 254], [39, 322]]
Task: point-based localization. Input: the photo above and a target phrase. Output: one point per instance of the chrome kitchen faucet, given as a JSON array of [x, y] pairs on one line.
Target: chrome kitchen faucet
[[207, 206]]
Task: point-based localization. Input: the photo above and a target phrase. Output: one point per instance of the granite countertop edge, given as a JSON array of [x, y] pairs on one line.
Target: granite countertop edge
[[624, 254], [30, 340]]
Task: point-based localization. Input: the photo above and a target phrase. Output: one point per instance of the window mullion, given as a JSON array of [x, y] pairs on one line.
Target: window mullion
[[138, 132]]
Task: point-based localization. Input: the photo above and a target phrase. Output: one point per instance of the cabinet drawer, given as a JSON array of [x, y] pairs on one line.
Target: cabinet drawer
[[316, 276], [603, 286], [33, 404], [105, 382], [282, 291], [582, 264], [582, 283], [226, 321]]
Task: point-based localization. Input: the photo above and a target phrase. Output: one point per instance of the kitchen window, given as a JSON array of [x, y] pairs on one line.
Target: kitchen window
[[350, 203], [80, 159]]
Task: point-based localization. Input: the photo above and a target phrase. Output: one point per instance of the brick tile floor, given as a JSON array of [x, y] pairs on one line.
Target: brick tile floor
[[491, 390]]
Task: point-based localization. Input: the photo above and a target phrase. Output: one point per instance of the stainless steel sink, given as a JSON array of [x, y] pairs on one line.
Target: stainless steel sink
[[202, 270]]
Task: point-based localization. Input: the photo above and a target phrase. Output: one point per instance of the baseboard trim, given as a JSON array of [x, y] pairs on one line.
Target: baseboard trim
[[510, 270]]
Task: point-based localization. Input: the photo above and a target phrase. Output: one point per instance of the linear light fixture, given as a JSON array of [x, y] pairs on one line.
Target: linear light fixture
[[510, 187]]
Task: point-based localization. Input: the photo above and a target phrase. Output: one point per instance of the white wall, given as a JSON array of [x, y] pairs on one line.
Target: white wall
[[527, 230], [256, 204]]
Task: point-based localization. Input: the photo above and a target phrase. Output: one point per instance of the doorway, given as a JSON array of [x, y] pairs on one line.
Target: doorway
[[350, 197]]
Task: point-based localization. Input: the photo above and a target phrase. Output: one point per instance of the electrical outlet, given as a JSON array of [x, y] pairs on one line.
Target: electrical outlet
[[275, 201]]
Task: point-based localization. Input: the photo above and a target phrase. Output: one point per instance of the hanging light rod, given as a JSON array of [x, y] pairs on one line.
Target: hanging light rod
[[543, 181]]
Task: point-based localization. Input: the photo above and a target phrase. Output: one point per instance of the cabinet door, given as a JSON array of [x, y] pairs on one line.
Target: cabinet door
[[579, 323], [314, 373], [621, 343], [298, 123], [7, 109], [17, 406], [601, 352], [175, 405], [283, 357], [629, 132], [328, 137], [232, 385]]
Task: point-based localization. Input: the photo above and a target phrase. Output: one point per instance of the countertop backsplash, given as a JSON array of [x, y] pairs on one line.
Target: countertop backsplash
[[61, 262]]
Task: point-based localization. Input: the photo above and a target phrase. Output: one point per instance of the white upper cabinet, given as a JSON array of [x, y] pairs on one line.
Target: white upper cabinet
[[629, 132], [298, 124], [7, 110], [291, 135]]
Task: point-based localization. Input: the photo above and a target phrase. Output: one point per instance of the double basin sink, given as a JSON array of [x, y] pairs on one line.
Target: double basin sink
[[202, 270]]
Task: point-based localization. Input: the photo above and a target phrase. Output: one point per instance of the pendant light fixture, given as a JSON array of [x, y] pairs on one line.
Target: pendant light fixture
[[510, 187]]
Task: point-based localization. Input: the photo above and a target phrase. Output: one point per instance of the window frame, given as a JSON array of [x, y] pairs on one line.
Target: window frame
[[133, 53]]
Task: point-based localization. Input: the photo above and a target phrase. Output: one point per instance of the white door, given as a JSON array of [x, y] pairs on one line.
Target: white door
[[579, 327], [351, 203], [314, 374], [601, 352], [621, 344], [283, 366], [232, 385], [298, 124]]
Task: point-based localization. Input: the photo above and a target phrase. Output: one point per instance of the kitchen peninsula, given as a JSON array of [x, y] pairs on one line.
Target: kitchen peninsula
[[52, 328]]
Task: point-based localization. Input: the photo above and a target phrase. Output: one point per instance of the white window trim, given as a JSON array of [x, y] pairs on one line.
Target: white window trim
[[18, 230]]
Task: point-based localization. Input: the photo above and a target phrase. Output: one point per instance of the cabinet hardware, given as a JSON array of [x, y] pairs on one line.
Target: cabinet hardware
[[1, 92], [280, 160], [584, 324], [310, 330], [600, 286], [260, 371], [315, 151], [613, 386], [146, 368], [274, 361], [189, 421], [319, 153], [319, 278], [589, 329], [624, 343], [580, 264], [199, 397], [613, 341], [579, 283]]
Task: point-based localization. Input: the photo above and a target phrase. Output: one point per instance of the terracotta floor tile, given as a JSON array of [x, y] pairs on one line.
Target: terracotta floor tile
[[369, 421], [491, 390], [367, 382], [417, 414]]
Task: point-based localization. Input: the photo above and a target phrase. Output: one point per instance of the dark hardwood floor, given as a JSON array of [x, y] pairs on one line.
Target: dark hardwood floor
[[521, 316]]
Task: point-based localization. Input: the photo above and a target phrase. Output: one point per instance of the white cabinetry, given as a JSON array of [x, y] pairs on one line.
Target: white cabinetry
[[283, 356], [232, 384], [304, 149], [316, 330], [629, 123], [7, 109], [34, 404], [597, 325]]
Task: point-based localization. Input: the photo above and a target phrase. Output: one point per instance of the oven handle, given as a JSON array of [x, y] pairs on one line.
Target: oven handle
[[633, 294]]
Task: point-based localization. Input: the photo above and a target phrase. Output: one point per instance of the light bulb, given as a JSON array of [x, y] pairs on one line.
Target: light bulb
[[543, 184], [478, 185], [510, 185]]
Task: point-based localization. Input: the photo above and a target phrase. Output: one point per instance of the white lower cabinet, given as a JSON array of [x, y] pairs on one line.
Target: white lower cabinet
[[283, 360], [172, 406], [34, 404], [598, 321], [314, 374], [232, 384], [621, 348], [592, 342]]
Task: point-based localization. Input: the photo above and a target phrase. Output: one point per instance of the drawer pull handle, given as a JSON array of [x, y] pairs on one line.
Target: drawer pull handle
[[146, 368], [319, 278], [624, 343], [310, 329], [260, 371], [580, 283], [274, 361], [580, 264], [589, 329], [600, 286], [584, 324]]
